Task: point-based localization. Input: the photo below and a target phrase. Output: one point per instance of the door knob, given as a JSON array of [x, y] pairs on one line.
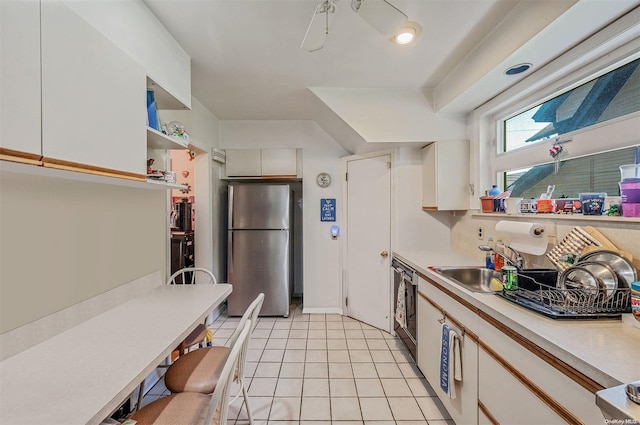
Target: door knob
[[384, 254]]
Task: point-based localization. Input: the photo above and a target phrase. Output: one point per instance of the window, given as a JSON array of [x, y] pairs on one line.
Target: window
[[592, 173], [600, 119], [609, 96]]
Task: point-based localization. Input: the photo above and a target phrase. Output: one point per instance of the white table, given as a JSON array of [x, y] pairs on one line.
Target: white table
[[83, 374]]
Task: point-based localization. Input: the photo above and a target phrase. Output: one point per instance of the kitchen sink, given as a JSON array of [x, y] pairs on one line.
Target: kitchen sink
[[474, 279]]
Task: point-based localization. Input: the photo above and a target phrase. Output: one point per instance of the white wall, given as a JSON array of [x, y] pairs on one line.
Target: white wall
[[66, 241], [391, 115], [415, 229], [320, 153]]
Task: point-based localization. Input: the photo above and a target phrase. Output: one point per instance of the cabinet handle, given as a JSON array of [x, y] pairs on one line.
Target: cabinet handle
[[384, 254]]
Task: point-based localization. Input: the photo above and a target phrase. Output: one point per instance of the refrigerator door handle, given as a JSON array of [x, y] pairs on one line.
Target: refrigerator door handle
[[230, 208], [230, 252]]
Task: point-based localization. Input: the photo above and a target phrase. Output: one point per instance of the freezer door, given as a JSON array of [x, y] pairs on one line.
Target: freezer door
[[259, 206], [259, 261]]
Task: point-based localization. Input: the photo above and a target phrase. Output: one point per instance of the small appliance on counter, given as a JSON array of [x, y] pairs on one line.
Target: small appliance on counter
[[181, 216]]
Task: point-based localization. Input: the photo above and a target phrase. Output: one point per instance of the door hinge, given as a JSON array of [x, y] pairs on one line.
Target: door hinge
[[346, 301], [346, 176], [389, 164]]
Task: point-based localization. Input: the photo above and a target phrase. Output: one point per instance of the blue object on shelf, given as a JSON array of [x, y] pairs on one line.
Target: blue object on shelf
[[152, 111], [494, 191]]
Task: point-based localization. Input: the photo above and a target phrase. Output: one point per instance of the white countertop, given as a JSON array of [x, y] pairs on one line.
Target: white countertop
[[606, 351], [81, 375]]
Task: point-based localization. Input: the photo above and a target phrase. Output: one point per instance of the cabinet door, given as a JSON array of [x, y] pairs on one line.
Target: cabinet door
[[507, 400], [20, 78], [445, 176], [243, 163], [93, 97], [279, 162], [463, 409]]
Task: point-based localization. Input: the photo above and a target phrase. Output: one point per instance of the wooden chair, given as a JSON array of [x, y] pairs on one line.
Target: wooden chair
[[197, 408], [192, 372]]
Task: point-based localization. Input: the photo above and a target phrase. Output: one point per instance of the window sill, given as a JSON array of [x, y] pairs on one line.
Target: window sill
[[556, 217]]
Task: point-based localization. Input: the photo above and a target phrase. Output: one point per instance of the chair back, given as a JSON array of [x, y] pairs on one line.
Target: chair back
[[220, 395], [250, 315], [189, 274]]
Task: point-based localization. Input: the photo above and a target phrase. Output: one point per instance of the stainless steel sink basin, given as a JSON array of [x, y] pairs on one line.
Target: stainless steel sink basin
[[474, 279]]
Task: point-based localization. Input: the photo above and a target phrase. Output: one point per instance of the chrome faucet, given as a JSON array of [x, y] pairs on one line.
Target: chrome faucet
[[516, 259]]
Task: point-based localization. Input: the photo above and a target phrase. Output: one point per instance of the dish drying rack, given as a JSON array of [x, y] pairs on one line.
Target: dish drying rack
[[569, 303]]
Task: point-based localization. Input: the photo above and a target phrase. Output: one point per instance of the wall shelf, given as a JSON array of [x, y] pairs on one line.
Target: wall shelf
[[556, 217], [158, 140], [39, 170]]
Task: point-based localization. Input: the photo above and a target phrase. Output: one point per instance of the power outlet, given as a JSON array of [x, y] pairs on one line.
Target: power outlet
[[481, 233]]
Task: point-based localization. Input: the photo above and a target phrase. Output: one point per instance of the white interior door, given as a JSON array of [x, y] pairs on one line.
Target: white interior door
[[368, 240]]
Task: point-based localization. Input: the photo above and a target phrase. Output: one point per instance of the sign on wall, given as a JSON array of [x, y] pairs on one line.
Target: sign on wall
[[328, 209]]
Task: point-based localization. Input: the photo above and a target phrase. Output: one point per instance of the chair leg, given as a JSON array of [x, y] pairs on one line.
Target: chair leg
[[246, 401]]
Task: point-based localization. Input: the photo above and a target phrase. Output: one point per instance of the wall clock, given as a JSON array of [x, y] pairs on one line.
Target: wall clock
[[323, 179]]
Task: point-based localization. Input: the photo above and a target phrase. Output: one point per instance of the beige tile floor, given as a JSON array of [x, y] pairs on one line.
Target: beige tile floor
[[317, 369]]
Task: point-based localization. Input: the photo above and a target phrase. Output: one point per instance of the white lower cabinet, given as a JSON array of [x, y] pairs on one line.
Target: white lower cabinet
[[507, 379], [507, 400], [516, 386], [462, 409]]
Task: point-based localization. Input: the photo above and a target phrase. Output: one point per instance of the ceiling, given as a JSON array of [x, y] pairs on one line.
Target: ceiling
[[246, 61]]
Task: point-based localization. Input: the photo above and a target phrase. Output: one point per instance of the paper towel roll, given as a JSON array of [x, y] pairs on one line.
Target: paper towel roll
[[523, 236]]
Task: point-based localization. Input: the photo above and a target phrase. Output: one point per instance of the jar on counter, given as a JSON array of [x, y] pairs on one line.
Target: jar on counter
[[635, 299]]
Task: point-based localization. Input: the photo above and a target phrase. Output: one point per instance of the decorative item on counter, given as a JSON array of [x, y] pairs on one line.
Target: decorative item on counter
[[150, 162], [512, 205], [544, 206], [170, 176], [528, 206], [487, 203], [498, 201], [612, 206], [494, 191], [592, 203], [185, 174], [635, 300], [568, 206], [176, 129], [630, 188]]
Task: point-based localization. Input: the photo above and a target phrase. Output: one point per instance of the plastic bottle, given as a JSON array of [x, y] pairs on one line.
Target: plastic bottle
[[498, 260], [488, 261], [494, 191]]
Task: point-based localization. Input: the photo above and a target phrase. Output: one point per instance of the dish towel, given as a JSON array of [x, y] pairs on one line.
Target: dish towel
[[450, 361], [401, 307]]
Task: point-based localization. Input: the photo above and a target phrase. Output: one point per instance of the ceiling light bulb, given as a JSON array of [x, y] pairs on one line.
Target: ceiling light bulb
[[405, 37], [407, 33]]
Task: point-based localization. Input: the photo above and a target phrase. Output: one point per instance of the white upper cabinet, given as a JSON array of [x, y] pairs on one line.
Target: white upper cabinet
[[93, 97], [243, 163], [279, 162], [132, 27], [20, 78], [445, 176], [267, 163]]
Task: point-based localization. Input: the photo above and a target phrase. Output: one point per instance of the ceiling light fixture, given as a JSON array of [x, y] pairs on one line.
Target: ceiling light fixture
[[407, 33], [380, 14], [517, 69]]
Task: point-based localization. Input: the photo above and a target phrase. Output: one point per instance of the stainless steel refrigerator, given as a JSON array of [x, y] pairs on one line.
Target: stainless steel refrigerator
[[259, 247]]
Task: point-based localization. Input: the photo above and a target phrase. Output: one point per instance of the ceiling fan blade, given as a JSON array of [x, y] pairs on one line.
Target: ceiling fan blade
[[381, 15], [319, 26]]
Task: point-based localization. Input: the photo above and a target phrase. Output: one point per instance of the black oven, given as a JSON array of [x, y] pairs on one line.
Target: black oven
[[406, 330]]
